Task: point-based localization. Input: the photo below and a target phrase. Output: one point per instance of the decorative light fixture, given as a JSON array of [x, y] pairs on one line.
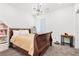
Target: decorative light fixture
[[40, 9]]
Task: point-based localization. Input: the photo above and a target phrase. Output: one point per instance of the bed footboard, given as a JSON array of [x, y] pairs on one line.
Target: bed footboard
[[42, 42]]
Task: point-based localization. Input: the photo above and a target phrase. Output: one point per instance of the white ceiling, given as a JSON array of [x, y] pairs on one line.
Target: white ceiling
[[28, 7]]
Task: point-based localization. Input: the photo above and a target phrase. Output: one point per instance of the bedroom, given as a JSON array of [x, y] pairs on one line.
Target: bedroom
[[43, 18]]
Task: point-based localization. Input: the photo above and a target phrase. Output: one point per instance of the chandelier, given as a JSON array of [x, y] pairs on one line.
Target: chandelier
[[40, 9]]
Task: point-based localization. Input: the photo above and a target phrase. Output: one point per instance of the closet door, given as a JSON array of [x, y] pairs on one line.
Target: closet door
[[43, 25], [37, 24], [40, 25]]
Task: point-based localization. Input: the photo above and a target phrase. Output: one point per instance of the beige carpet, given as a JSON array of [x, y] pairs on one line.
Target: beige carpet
[[55, 50]]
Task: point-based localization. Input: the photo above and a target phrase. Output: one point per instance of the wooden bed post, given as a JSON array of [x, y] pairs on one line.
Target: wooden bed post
[[51, 39]]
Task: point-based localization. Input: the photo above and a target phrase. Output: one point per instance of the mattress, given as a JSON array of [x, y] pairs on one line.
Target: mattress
[[25, 42]]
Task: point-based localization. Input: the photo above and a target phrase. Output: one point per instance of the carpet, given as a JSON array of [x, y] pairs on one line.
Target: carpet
[[55, 50]]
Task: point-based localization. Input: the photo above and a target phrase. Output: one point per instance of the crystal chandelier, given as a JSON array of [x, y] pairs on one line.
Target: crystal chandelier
[[40, 9]]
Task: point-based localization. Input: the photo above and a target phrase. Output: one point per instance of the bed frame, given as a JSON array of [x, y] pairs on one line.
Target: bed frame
[[41, 42]]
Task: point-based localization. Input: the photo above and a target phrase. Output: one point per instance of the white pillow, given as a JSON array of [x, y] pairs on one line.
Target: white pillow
[[23, 32], [16, 32]]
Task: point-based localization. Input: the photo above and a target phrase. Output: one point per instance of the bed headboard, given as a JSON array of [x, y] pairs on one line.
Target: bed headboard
[[11, 31]]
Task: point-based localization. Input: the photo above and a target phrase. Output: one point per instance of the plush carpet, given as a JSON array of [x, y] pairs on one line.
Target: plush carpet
[[55, 50]]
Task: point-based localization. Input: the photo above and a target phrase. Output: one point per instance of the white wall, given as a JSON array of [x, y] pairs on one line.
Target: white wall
[[76, 17], [60, 21], [15, 17]]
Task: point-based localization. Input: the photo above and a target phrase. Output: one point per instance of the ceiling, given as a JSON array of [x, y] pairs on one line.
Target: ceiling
[[28, 7]]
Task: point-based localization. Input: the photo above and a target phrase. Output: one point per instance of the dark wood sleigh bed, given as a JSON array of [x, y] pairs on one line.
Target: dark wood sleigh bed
[[41, 42]]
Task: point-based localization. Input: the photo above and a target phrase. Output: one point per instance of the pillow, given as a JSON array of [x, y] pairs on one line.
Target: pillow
[[16, 32], [24, 32]]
